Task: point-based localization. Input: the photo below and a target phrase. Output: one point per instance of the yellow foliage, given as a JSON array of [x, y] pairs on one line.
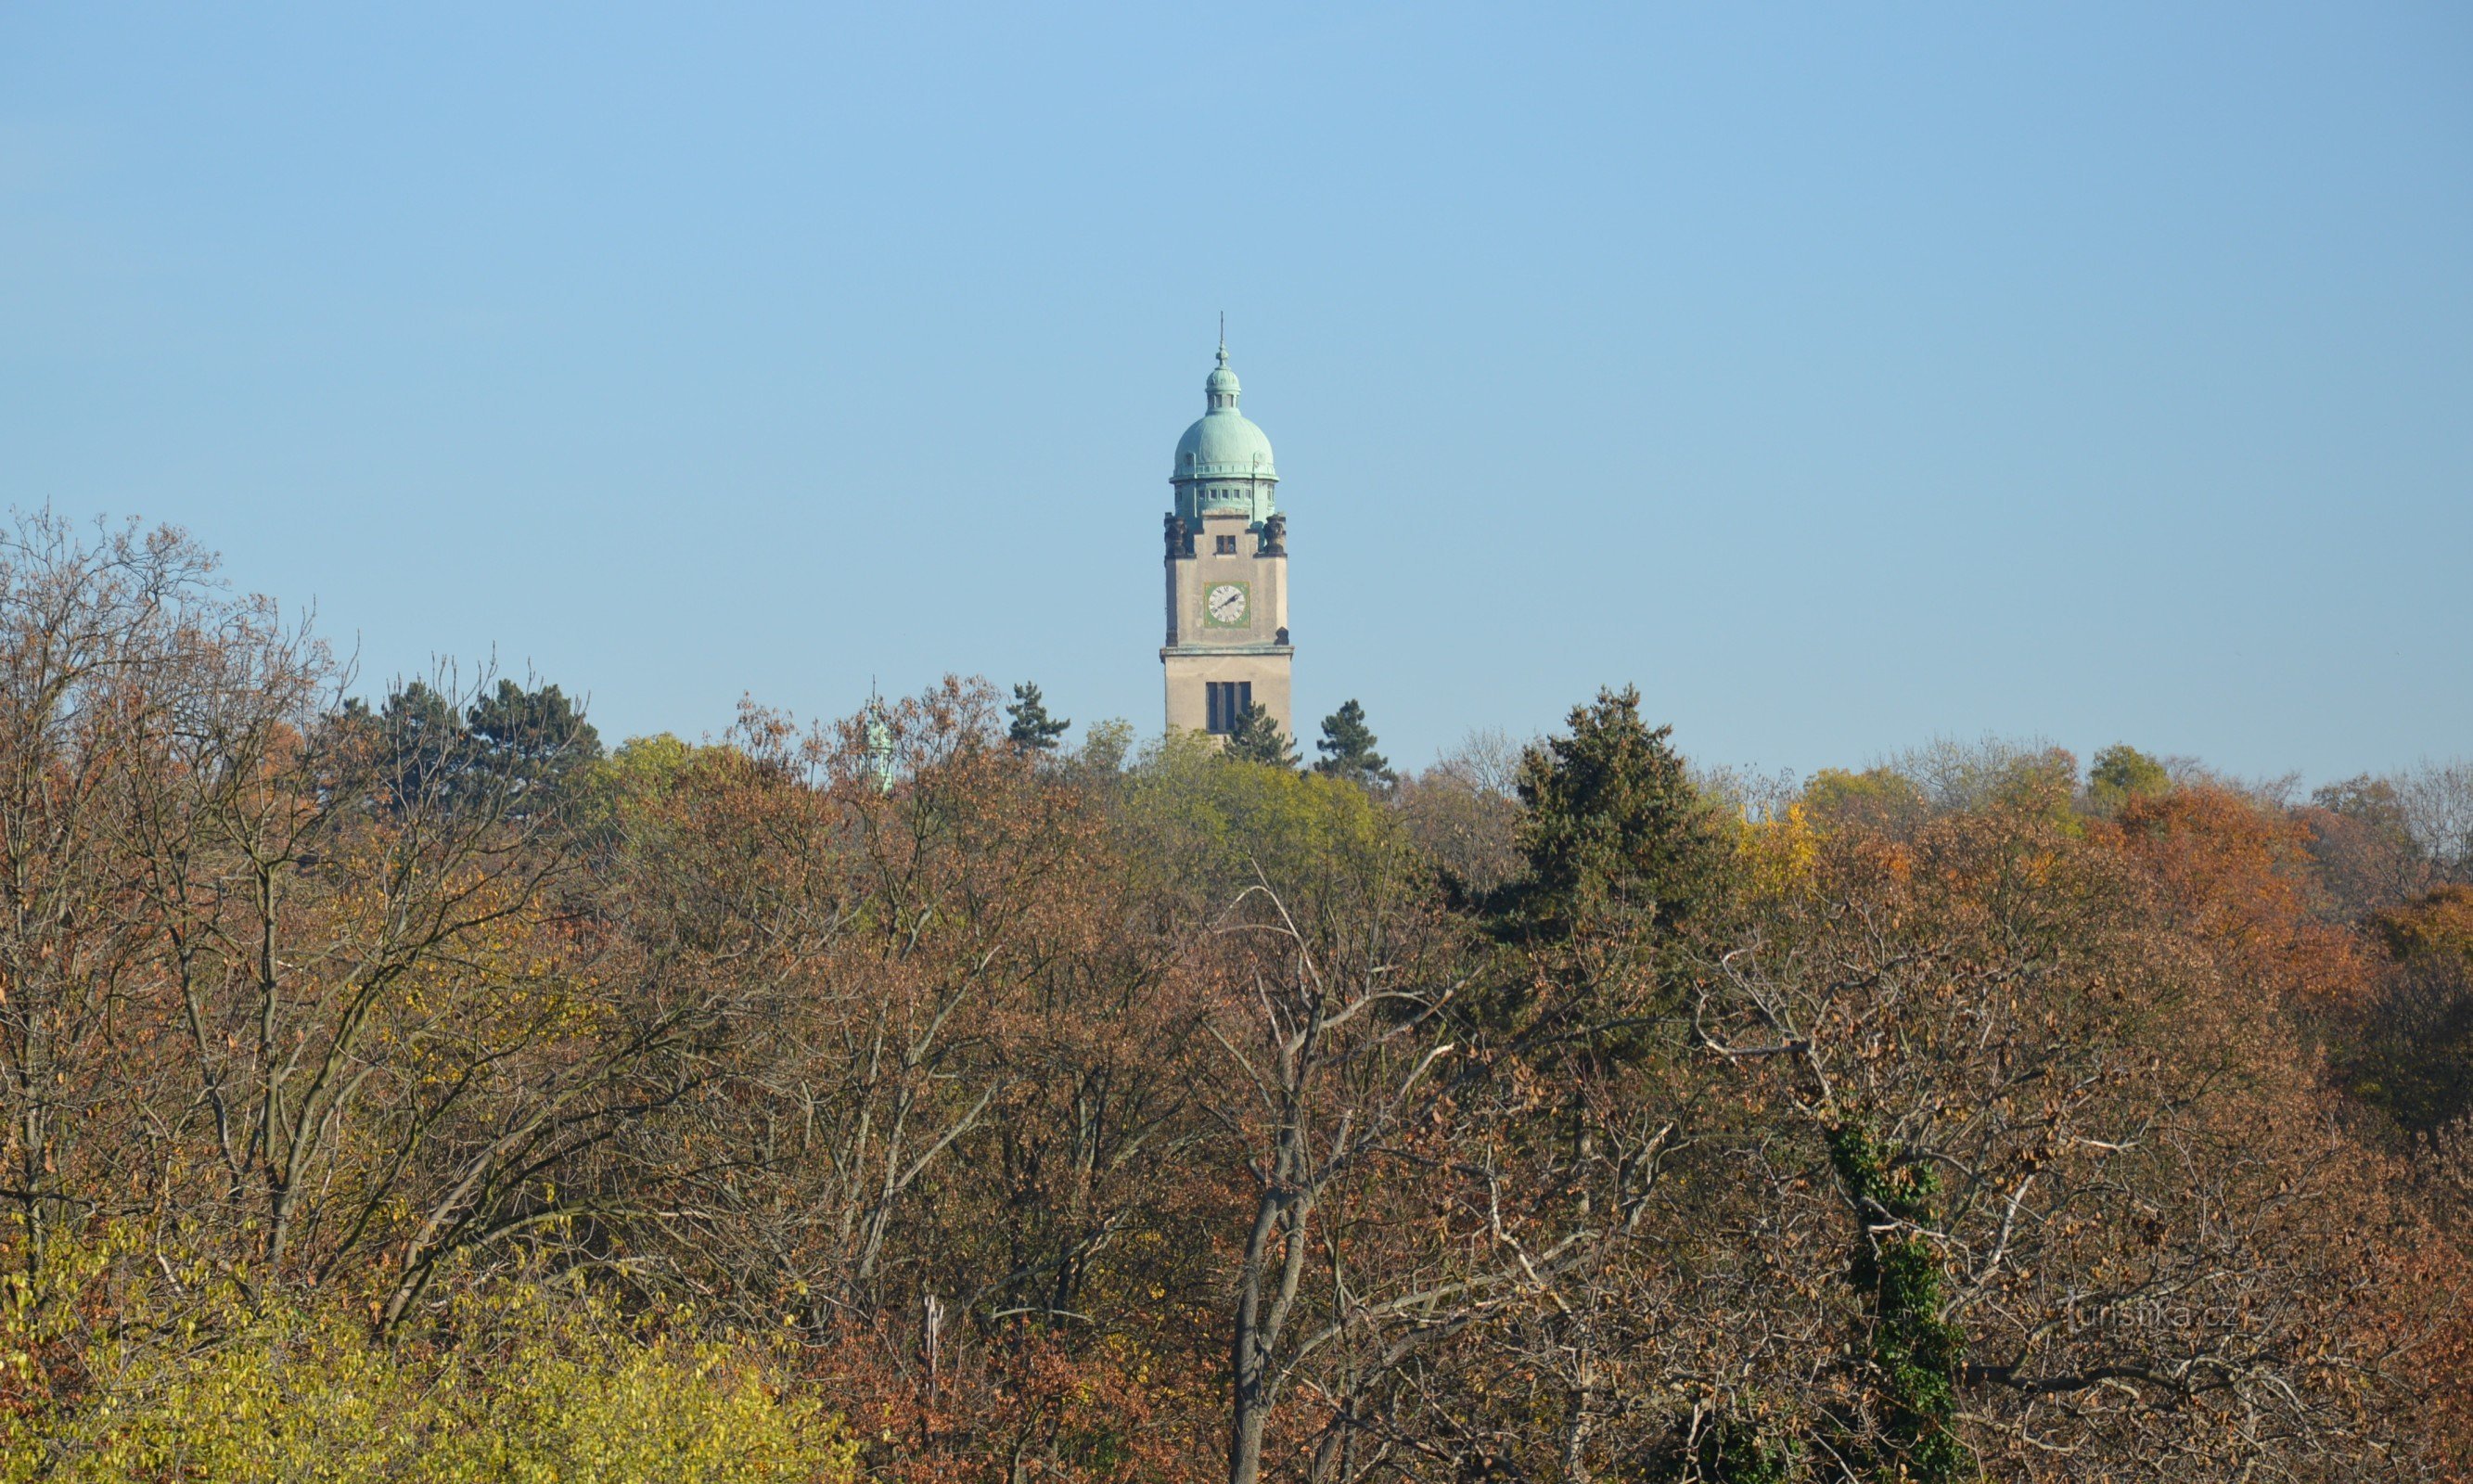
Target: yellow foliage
[[522, 1386], [1777, 853]]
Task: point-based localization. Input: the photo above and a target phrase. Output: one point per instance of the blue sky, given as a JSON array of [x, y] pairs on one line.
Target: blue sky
[[1840, 375]]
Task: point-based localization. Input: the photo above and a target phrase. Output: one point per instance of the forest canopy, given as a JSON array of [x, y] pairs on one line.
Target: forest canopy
[[411, 1086]]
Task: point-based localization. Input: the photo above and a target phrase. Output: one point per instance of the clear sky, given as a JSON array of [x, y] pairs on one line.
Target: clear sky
[[1843, 376]]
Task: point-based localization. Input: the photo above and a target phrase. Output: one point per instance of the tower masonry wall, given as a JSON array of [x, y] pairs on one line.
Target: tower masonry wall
[[1191, 578], [1252, 648], [1189, 671]]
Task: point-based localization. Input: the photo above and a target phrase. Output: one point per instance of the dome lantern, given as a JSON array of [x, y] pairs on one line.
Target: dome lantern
[[1220, 387], [1224, 462]]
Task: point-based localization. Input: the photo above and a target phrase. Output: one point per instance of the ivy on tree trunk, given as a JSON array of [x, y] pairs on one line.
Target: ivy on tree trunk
[[1916, 1352]]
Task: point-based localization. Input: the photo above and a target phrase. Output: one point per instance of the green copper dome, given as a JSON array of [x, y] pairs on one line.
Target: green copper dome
[[1223, 445]]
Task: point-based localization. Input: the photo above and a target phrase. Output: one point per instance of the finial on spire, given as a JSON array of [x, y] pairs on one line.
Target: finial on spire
[[882, 752], [1220, 387]]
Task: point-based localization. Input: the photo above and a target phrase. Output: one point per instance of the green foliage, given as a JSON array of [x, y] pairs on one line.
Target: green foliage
[[523, 746], [1258, 739], [612, 794], [521, 1383], [422, 743], [1875, 799], [1101, 757], [1347, 748], [536, 735], [1615, 831], [2040, 785], [1032, 729], [651, 763], [1732, 1451], [2121, 773], [1202, 825], [1917, 1355]]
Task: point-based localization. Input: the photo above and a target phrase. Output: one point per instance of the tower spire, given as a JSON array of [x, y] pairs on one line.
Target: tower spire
[[1223, 337]]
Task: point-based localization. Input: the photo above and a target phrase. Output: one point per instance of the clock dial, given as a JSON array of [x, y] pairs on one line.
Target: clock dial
[[1226, 604]]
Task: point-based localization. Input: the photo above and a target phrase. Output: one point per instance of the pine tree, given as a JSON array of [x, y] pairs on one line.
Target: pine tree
[[1347, 748], [534, 736], [1258, 739], [421, 741], [1033, 729], [1615, 829]]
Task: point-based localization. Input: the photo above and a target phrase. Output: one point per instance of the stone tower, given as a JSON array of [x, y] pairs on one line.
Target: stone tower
[[1227, 571]]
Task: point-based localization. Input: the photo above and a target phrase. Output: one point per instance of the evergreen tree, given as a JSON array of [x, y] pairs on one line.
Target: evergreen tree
[[1615, 829], [520, 743], [1033, 729], [422, 744], [1347, 748], [1258, 739], [534, 737]]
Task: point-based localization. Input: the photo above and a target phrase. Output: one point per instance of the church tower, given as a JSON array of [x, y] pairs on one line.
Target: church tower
[[1227, 571]]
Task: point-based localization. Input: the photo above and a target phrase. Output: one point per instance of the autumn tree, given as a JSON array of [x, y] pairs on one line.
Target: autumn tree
[[1112, 1113], [1339, 1065], [1463, 812], [2438, 798], [1520, 1171], [319, 981], [1877, 800], [2121, 773], [122, 661], [2089, 1212], [2412, 1055], [2362, 848]]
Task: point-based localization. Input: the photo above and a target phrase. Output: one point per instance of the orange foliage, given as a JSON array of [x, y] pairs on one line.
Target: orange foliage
[[2235, 873]]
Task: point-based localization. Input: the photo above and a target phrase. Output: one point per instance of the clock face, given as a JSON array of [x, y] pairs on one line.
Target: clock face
[[1224, 606]]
